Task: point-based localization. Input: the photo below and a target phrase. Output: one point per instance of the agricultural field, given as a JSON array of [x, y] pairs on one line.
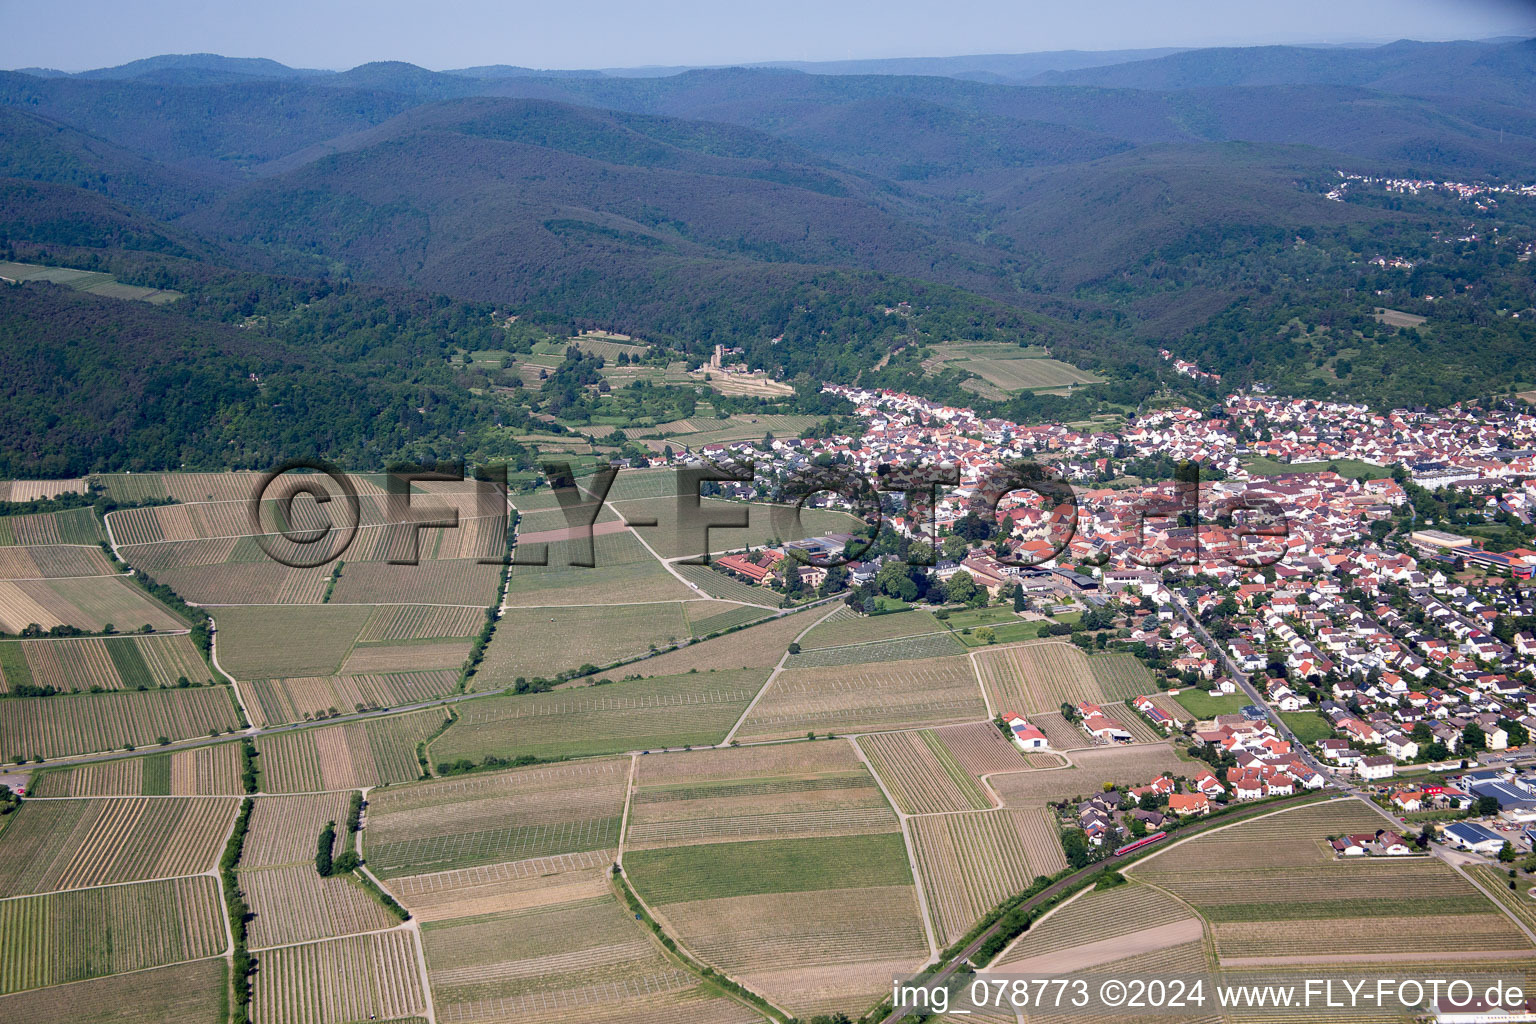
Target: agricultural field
[[90, 603], [543, 642], [968, 863], [1101, 927], [759, 646], [1041, 676], [237, 583], [981, 749], [201, 771], [718, 584], [193, 993], [1008, 368], [406, 656], [721, 615], [866, 697], [417, 622], [53, 561], [931, 645], [32, 490], [363, 977], [637, 714], [276, 642], [349, 755], [283, 829], [784, 791], [113, 663], [764, 524], [846, 626], [273, 701], [621, 570], [1133, 766], [62, 937], [921, 774], [496, 816], [94, 722], [1426, 905], [564, 951], [457, 581], [72, 526], [74, 844], [791, 918], [294, 904]]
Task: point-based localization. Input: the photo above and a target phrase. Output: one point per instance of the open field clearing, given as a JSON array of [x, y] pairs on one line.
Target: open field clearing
[[637, 714], [1094, 920], [759, 646], [191, 993], [866, 697], [543, 642], [847, 626], [72, 526], [89, 723], [1092, 768], [969, 863], [364, 977], [921, 775], [1042, 675], [374, 752], [933, 645], [1425, 903], [202, 771], [283, 829], [89, 933], [416, 622], [718, 584], [273, 701], [406, 656], [980, 749], [114, 663], [502, 816], [462, 581], [54, 560], [89, 603], [670, 540], [74, 844], [621, 570], [274, 642], [31, 490], [682, 874], [510, 885], [811, 952], [789, 803], [294, 904]]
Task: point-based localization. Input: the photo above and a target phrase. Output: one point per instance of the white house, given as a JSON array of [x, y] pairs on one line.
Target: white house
[[1377, 766]]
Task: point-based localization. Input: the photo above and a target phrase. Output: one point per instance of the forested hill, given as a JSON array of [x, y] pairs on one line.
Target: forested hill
[[1162, 201]]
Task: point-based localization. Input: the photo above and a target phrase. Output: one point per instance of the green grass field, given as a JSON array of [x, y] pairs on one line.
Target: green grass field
[[640, 714], [1345, 467], [686, 873], [1309, 726], [1202, 705], [1007, 367]]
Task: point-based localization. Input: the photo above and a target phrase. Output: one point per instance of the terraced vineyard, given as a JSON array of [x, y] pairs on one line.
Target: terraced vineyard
[[865, 698], [373, 752], [94, 722], [201, 771], [73, 844], [921, 775], [363, 977], [968, 863], [502, 816], [88, 933]]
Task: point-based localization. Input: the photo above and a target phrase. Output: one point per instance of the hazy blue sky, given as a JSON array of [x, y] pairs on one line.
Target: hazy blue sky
[[83, 34]]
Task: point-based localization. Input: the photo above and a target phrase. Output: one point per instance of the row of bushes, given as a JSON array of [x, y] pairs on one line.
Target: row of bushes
[[234, 899]]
